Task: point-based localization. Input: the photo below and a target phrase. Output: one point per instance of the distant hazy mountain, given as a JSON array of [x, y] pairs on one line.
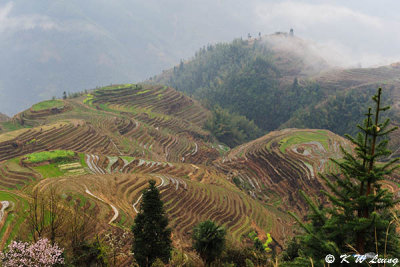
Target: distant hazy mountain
[[48, 46], [280, 81], [257, 78]]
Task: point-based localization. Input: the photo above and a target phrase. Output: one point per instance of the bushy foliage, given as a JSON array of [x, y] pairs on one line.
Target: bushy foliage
[[260, 245], [208, 240], [242, 256], [243, 79], [115, 242], [292, 250], [88, 253], [39, 254], [179, 258], [48, 104], [158, 263], [337, 113], [151, 235], [54, 155], [249, 263], [231, 129]]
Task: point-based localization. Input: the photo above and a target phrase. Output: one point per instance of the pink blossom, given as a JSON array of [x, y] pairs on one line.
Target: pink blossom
[[39, 254]]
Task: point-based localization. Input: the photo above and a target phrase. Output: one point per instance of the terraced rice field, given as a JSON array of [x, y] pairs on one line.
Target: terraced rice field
[[112, 185], [67, 136], [13, 217], [187, 202], [161, 123], [122, 136], [277, 165], [157, 99]]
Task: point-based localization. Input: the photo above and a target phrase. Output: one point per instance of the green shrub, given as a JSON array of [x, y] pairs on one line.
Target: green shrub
[[231, 129], [31, 141], [179, 258], [242, 256], [54, 155], [208, 240], [258, 244], [88, 100], [47, 105], [158, 263], [237, 182], [249, 263]]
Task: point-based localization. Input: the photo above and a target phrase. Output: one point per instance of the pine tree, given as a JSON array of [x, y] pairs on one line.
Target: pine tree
[[359, 216], [151, 236]]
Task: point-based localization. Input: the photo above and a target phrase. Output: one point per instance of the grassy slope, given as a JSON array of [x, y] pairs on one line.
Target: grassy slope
[[47, 105]]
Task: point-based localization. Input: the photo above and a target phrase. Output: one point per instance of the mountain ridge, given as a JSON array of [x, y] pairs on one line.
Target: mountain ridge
[[280, 81]]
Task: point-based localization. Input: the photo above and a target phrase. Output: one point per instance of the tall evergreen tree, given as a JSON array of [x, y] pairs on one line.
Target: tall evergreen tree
[[359, 216], [151, 235]]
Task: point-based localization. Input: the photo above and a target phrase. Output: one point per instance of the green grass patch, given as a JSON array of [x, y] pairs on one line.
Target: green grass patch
[[54, 155], [8, 196], [16, 216], [304, 137], [82, 160], [82, 200], [137, 110], [57, 169], [49, 170], [8, 222], [143, 92], [88, 100], [105, 107], [124, 220], [118, 86], [127, 158], [48, 104], [12, 126]]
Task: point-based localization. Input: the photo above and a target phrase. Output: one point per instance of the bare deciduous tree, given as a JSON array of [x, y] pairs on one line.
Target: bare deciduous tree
[[46, 214], [36, 216], [57, 213]]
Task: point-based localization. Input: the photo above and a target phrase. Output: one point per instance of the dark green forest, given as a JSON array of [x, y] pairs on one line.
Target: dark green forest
[[242, 78]]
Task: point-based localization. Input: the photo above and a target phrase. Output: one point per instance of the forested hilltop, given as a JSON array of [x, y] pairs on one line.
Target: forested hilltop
[[276, 81]]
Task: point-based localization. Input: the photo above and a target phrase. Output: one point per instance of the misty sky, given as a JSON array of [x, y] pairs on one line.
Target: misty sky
[[48, 46]]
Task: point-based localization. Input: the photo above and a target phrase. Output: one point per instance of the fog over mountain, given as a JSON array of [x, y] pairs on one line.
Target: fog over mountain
[[49, 46]]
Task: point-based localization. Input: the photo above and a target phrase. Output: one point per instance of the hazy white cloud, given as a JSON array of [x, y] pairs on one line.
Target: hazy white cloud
[[13, 23], [343, 35], [306, 15], [22, 22]]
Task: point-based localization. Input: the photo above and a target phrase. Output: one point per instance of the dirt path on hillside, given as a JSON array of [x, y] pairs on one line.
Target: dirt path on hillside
[[116, 212], [119, 151], [4, 205]]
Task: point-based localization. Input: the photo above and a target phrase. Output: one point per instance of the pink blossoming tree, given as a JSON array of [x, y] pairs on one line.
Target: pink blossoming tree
[[39, 254]]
